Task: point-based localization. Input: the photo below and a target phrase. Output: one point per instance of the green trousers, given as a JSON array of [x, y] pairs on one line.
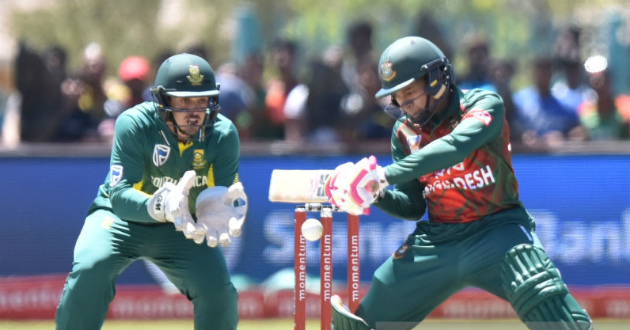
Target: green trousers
[[107, 245], [438, 260]]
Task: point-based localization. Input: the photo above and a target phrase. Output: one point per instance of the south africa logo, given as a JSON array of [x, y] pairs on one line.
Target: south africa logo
[[199, 161], [387, 70], [195, 77]]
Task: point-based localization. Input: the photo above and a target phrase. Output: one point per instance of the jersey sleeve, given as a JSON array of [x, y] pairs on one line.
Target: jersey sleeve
[[405, 201], [225, 167], [127, 156], [480, 124]]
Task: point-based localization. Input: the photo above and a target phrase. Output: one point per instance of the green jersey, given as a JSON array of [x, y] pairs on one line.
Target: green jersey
[[458, 165], [146, 154]]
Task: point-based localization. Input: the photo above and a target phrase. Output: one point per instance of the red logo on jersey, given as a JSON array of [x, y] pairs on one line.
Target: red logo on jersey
[[482, 115]]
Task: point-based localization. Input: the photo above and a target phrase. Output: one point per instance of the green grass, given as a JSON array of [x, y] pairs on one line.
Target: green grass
[[273, 324]]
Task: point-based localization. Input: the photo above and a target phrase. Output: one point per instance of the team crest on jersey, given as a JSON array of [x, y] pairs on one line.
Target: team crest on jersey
[[402, 250], [199, 161], [482, 115], [195, 77], [387, 70], [414, 142], [160, 154], [115, 174]]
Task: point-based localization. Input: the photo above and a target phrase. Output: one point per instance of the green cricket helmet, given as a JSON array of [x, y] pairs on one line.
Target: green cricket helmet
[[408, 59], [185, 75]]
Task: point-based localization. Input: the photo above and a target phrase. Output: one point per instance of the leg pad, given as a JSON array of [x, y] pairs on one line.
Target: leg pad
[[535, 289]]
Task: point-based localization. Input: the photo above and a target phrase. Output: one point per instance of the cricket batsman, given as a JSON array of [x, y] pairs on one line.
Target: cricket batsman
[[172, 184], [451, 157]]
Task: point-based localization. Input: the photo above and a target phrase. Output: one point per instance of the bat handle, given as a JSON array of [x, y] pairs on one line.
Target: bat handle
[[372, 162]]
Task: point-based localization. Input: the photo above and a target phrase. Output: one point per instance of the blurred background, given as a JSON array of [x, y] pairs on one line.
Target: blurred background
[[298, 79]]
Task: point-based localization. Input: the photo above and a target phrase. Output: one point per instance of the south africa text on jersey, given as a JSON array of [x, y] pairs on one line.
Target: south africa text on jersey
[[159, 181], [474, 180]]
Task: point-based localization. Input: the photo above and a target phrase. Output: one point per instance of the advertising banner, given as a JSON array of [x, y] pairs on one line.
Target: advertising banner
[[581, 204]]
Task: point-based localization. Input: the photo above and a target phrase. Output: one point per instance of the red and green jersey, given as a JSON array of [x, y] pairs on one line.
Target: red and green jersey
[[146, 154], [461, 160]]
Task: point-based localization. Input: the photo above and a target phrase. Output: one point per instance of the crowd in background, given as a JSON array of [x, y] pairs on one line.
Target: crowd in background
[[270, 98]]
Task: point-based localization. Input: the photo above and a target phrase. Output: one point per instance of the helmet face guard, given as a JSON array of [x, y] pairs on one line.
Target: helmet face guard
[[186, 75], [407, 60]]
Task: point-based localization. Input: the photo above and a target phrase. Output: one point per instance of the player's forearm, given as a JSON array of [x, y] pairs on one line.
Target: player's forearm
[[437, 155], [131, 205], [404, 203]]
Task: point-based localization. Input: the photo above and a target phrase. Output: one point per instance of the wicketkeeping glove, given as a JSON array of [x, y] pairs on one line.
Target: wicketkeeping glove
[[170, 203], [221, 211]]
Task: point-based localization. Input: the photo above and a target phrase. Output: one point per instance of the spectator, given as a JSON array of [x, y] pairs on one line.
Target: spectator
[[358, 53], [251, 72], [335, 91], [124, 92], [606, 116], [34, 110], [428, 27], [239, 100], [362, 116], [85, 99], [283, 58], [543, 119], [93, 96], [501, 73], [326, 89], [236, 95], [56, 60], [479, 61], [571, 87]]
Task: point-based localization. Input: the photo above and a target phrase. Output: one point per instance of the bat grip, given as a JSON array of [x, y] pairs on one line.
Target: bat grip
[[372, 162]]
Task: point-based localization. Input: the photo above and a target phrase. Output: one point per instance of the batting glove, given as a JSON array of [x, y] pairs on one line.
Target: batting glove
[[354, 187], [367, 181], [336, 189], [221, 211]]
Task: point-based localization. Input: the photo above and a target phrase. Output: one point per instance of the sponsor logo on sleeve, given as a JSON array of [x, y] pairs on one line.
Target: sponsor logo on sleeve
[[482, 115], [414, 142], [402, 250], [115, 174], [161, 153]]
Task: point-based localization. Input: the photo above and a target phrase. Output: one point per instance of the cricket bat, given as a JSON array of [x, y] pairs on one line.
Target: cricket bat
[[298, 186]]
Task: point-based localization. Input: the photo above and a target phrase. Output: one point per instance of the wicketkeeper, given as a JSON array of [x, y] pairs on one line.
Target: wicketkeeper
[[451, 153], [172, 185]]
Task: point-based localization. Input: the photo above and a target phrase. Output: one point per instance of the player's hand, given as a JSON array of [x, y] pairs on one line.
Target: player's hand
[[354, 187], [368, 180], [170, 203], [336, 189], [221, 211]]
